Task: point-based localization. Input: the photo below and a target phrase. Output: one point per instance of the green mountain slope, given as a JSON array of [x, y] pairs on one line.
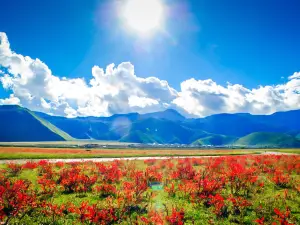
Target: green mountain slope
[[166, 127], [20, 124], [81, 128], [138, 137], [161, 131], [216, 139], [268, 139]]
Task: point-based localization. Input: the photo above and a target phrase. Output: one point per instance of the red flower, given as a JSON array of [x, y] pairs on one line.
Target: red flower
[[176, 218], [260, 221]]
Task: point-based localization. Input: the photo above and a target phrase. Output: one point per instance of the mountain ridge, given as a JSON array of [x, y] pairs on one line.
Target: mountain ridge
[[21, 124], [170, 127]]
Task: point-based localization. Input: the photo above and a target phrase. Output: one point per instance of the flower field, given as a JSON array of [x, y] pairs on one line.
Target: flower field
[[250, 189]]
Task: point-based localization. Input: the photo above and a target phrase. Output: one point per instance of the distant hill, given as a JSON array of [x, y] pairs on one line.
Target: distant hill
[[20, 124], [216, 139], [138, 137], [239, 124], [169, 114], [80, 128], [171, 127], [107, 128], [268, 139], [166, 127], [160, 127], [288, 120], [160, 131]]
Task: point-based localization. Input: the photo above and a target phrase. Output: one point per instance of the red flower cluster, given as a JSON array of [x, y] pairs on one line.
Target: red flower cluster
[[72, 180], [16, 200]]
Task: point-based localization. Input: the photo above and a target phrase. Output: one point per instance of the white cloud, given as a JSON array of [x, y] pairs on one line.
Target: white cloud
[[296, 75], [106, 93], [12, 100], [142, 102], [205, 97], [45, 104], [117, 89], [117, 86]]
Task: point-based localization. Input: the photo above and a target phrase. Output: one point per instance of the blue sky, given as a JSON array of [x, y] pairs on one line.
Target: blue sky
[[250, 43]]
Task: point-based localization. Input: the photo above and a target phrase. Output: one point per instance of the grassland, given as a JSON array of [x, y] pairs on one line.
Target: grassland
[[291, 151], [66, 150], [65, 153]]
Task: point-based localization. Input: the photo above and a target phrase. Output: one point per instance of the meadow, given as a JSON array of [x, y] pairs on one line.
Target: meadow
[[32, 152], [64, 153], [246, 189]]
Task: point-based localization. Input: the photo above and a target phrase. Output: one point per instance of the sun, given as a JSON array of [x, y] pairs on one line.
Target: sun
[[143, 16]]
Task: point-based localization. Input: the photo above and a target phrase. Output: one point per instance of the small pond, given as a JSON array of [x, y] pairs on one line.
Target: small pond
[[156, 186]]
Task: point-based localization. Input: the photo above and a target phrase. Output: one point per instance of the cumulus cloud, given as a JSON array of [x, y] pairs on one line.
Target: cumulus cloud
[[135, 101], [117, 89], [206, 97], [296, 75], [11, 100], [107, 92]]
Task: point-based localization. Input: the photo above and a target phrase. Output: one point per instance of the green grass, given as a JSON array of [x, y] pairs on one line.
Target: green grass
[[143, 153], [292, 151], [7, 156]]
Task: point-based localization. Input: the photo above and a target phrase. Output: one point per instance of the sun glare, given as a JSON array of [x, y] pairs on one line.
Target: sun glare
[[143, 16]]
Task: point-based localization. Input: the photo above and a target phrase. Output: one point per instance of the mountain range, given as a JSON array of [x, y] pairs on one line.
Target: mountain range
[[281, 129]]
